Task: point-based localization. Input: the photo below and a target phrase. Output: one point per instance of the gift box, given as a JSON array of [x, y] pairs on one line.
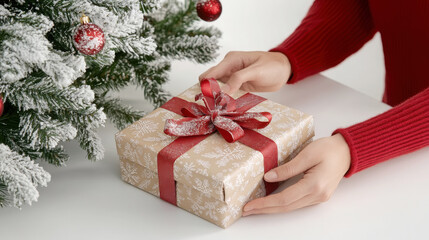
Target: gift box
[[206, 152]]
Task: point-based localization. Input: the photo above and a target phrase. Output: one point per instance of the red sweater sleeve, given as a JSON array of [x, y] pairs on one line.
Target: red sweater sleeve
[[331, 31], [400, 130]]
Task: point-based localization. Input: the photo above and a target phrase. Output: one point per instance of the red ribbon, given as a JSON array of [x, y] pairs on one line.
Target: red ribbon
[[221, 113]]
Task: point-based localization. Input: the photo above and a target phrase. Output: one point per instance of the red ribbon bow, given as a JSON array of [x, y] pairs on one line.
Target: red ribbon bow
[[221, 112]]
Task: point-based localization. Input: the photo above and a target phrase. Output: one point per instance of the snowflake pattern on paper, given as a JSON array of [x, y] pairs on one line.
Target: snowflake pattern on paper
[[214, 179], [224, 155], [119, 137], [129, 173], [143, 127], [131, 151]]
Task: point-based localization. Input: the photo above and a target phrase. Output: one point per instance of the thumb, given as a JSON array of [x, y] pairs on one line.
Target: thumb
[[298, 165]]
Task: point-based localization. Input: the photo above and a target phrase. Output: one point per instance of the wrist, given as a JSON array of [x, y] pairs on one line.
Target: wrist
[[284, 61], [343, 150]]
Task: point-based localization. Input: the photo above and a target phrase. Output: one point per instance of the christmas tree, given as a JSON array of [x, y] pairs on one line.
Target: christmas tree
[[50, 92]]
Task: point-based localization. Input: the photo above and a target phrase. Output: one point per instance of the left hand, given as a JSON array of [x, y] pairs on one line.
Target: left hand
[[323, 162]]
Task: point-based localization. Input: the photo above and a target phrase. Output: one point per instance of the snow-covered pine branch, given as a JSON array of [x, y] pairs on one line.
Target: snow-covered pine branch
[[54, 93], [179, 37], [200, 48], [121, 22], [39, 93], [135, 45], [41, 131], [91, 143], [25, 48], [150, 75], [86, 122], [126, 71], [21, 176], [149, 6], [10, 136], [119, 114]]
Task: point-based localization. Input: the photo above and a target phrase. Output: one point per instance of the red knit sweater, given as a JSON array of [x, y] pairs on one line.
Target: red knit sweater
[[335, 29]]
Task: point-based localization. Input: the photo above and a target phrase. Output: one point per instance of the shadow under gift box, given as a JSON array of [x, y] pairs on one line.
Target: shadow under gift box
[[214, 179]]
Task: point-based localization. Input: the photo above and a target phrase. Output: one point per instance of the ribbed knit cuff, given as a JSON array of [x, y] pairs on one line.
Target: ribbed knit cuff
[[400, 130]]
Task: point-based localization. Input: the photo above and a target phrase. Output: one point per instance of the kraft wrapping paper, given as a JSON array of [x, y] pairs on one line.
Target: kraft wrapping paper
[[215, 178]]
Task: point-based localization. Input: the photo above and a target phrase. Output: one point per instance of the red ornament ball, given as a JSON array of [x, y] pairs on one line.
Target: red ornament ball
[[209, 10], [1, 106], [89, 39]]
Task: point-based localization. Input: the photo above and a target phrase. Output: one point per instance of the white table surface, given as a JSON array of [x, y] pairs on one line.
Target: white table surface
[[88, 200]]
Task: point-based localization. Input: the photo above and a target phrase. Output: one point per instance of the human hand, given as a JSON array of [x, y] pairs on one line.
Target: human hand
[[251, 71], [323, 162]]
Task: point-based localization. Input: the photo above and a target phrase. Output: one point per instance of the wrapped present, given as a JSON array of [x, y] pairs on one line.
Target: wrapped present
[[206, 152]]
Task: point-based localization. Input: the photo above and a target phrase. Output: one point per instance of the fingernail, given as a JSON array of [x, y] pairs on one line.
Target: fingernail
[[225, 88], [271, 176]]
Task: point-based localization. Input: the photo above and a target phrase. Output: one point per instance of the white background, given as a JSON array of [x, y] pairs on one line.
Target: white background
[[249, 25]]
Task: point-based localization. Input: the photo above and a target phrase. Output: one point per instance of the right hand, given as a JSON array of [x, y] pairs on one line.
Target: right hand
[[251, 71]]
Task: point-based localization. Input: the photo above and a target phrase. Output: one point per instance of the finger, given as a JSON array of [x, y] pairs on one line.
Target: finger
[[231, 63], [237, 79], [284, 198], [297, 165], [305, 201], [204, 74]]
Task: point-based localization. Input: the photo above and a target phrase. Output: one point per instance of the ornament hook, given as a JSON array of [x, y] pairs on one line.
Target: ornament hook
[[84, 19]]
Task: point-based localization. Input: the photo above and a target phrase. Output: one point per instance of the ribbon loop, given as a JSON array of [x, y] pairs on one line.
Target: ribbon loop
[[221, 112], [189, 126], [193, 110]]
